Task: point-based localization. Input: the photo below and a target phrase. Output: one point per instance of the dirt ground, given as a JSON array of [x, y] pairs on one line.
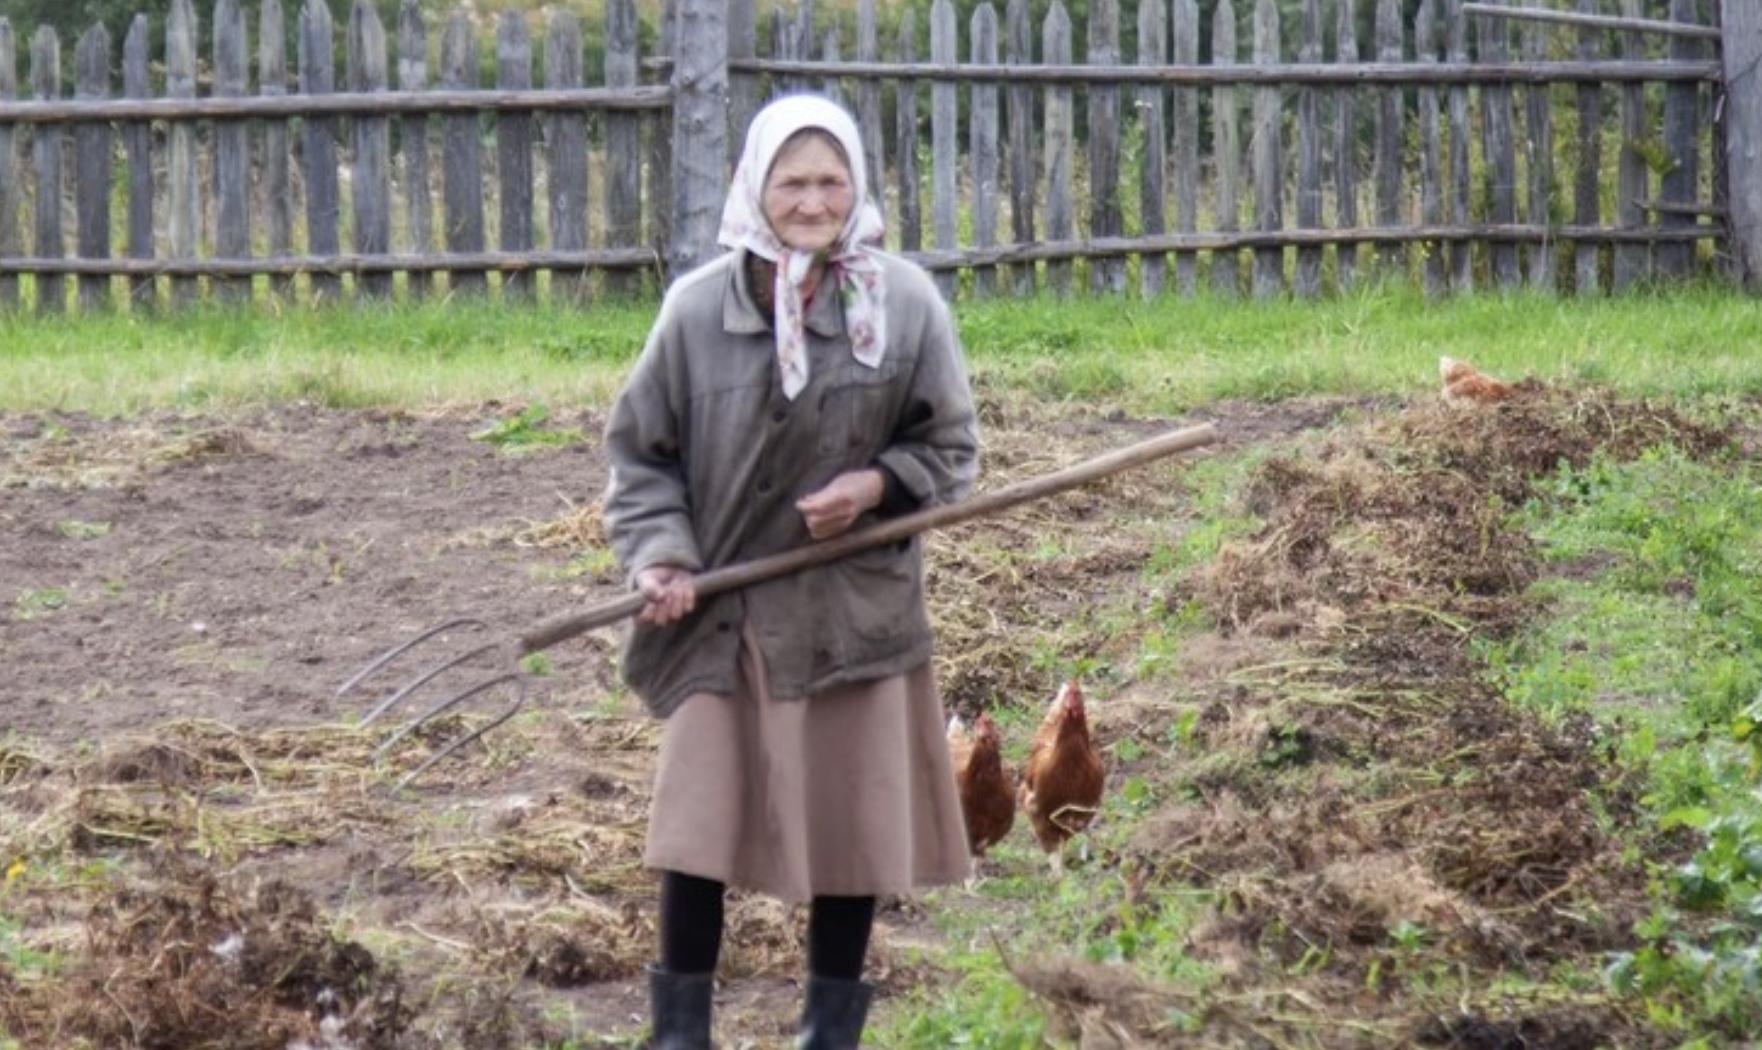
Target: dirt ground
[[192, 821]]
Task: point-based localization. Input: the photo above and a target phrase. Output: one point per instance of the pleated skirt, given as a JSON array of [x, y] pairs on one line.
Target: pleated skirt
[[846, 793]]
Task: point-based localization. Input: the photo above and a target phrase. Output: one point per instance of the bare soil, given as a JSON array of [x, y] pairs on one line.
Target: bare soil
[[196, 827]]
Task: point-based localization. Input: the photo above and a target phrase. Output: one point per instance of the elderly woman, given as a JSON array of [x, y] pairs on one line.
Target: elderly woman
[[801, 385]]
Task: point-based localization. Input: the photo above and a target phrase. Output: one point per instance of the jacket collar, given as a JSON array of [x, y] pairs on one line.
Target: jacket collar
[[741, 314]]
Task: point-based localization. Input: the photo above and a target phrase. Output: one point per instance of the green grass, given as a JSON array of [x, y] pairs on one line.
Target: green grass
[[1662, 646], [1165, 357]]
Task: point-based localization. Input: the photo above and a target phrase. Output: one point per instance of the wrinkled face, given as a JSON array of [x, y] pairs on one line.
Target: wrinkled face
[[808, 193]]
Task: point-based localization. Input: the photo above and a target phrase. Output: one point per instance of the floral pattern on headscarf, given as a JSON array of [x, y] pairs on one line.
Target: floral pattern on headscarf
[[850, 264]]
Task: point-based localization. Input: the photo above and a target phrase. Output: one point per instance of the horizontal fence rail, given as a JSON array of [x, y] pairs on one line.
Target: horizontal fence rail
[[1585, 148]]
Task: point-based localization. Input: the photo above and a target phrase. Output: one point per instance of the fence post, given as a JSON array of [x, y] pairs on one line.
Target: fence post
[[46, 157], [623, 196], [92, 163], [1024, 174], [278, 204], [371, 187], [566, 148], [1680, 183], [1268, 150], [1742, 49], [9, 245], [1106, 216], [700, 132], [982, 128], [514, 148], [944, 145], [318, 156], [137, 146], [1060, 138], [183, 188], [413, 136], [905, 110], [232, 160], [462, 156]]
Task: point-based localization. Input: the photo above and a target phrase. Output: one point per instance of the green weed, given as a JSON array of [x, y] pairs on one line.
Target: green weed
[[526, 431]]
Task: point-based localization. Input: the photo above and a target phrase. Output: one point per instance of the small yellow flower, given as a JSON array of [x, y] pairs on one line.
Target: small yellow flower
[[16, 870]]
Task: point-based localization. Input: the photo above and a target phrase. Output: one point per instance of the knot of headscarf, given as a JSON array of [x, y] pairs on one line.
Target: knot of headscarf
[[850, 262]]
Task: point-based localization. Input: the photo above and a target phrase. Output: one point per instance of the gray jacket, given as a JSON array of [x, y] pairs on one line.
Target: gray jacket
[[708, 459]]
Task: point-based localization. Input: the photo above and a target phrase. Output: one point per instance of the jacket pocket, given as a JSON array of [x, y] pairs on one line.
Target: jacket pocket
[[881, 593], [854, 421]]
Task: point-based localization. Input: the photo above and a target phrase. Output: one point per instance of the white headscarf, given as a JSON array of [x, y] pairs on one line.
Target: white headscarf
[[850, 262]]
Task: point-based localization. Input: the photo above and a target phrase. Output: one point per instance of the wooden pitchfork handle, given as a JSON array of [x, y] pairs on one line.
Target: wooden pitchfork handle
[[892, 530]]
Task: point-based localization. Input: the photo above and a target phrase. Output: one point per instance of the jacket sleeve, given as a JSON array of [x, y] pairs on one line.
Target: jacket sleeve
[[934, 452], [646, 507]]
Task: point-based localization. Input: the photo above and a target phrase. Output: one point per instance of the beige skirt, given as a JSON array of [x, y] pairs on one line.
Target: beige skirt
[[848, 793]]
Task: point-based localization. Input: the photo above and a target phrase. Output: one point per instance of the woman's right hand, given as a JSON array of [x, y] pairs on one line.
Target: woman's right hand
[[671, 592]]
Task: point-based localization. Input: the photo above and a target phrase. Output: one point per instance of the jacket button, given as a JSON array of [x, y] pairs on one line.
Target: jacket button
[[724, 626], [765, 486], [779, 417]]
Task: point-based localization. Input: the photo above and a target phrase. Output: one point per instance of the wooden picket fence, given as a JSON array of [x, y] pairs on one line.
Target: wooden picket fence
[[1434, 160]]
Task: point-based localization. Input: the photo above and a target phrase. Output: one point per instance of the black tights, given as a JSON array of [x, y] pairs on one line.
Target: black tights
[[691, 929]]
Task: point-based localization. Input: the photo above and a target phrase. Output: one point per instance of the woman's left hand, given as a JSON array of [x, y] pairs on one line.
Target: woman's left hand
[[834, 509]]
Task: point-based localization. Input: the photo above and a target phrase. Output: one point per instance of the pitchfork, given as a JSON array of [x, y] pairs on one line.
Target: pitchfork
[[510, 651]]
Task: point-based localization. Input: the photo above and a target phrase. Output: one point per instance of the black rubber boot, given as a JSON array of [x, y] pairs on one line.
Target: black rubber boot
[[836, 1010], [680, 1006]]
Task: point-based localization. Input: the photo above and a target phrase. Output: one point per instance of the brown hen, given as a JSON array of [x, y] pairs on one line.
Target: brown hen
[[988, 798], [1465, 384], [1062, 778]]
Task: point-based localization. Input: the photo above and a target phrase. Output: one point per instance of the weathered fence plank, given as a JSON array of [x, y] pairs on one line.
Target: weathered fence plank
[[1431, 187], [370, 183], [461, 156], [982, 128], [1153, 44], [743, 43], [1587, 175], [183, 193], [46, 160], [1106, 216], [1540, 157], [1633, 262], [1023, 172], [869, 101], [232, 158], [1682, 141], [944, 139], [92, 166], [1390, 135], [1742, 20], [1055, 46], [1226, 273], [1307, 281], [830, 53], [1184, 36], [700, 133], [905, 112], [514, 148], [318, 143], [1461, 146], [1346, 143], [1499, 148], [623, 158], [278, 202], [566, 185], [1268, 157], [9, 181]]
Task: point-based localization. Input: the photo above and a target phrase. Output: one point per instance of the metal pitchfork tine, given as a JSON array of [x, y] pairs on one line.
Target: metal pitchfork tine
[[718, 581]]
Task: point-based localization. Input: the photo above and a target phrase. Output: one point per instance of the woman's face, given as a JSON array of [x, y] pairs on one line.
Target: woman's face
[[808, 194]]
